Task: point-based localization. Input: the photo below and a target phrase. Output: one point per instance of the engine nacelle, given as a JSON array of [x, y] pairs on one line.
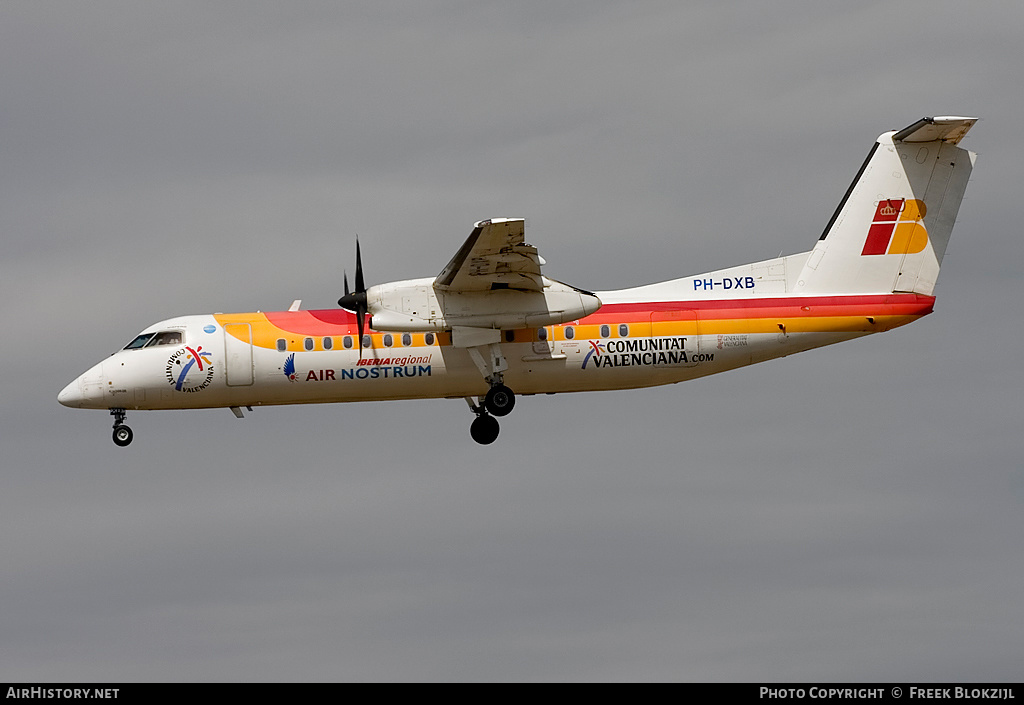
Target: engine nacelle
[[405, 306], [415, 305]]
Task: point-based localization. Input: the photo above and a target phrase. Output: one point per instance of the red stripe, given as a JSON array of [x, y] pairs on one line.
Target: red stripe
[[817, 305], [341, 322], [325, 322]]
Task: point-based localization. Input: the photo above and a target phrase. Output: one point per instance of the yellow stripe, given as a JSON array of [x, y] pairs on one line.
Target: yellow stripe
[[266, 335]]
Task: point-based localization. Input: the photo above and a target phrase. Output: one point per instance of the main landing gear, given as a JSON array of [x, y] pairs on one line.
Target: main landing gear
[[122, 434], [484, 428], [499, 401], [484, 348]]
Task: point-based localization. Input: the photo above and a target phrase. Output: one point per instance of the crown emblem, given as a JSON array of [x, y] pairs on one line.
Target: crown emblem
[[887, 210]]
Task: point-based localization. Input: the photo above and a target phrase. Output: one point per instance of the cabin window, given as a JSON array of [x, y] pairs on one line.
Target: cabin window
[[282, 344], [346, 342], [406, 339], [570, 333], [428, 339], [510, 336], [308, 343], [139, 341], [605, 331], [623, 330], [328, 343], [389, 340], [366, 341], [542, 334]]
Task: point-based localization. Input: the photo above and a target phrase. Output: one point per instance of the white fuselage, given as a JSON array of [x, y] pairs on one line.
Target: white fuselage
[[300, 357]]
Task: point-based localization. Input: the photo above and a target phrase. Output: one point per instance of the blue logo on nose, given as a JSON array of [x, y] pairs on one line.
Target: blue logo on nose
[[209, 329]]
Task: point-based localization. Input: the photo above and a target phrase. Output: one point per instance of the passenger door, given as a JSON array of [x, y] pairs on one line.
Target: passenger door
[[238, 354]]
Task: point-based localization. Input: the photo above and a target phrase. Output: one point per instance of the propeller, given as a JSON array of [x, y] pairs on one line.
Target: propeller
[[355, 301]]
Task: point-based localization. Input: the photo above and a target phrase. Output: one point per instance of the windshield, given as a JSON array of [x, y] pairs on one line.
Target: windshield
[[170, 337], [139, 342], [150, 340]]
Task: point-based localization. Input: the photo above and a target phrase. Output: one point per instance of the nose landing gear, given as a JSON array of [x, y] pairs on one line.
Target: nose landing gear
[[122, 434]]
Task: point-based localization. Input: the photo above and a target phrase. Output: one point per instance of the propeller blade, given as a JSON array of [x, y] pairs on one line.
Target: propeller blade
[[355, 301], [359, 269], [360, 320]]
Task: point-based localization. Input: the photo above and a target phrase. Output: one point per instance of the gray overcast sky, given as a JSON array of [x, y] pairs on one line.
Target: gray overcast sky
[[851, 513]]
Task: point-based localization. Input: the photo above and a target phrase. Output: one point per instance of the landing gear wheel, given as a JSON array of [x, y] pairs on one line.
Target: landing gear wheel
[[500, 400], [484, 429], [122, 435]]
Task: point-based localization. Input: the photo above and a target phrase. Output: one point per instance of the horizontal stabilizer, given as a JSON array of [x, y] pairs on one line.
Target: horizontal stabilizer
[[938, 129]]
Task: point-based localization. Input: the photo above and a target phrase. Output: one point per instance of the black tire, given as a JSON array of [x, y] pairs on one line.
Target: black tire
[[484, 429], [500, 400], [122, 435]]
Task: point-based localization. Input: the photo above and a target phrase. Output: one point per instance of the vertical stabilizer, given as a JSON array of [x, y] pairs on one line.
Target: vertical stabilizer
[[891, 229]]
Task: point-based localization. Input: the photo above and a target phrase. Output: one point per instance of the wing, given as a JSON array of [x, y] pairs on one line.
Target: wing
[[494, 256]]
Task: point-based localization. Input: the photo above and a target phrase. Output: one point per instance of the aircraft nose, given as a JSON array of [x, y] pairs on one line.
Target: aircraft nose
[[86, 392], [71, 395]]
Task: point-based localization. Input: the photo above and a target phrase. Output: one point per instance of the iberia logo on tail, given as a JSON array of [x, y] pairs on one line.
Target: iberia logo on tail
[[897, 228]]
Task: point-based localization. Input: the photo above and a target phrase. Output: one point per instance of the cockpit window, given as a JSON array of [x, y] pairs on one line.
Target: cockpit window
[[149, 340], [170, 337], [139, 342]]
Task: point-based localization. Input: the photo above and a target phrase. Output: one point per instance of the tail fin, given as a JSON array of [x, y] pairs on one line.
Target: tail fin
[[891, 229]]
